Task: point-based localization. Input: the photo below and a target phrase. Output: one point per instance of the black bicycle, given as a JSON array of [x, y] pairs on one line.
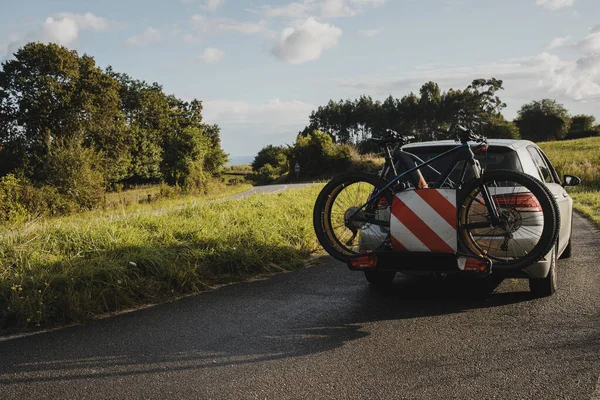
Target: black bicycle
[[506, 216]]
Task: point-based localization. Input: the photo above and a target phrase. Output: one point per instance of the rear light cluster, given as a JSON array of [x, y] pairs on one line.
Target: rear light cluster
[[476, 265], [366, 261], [521, 202]]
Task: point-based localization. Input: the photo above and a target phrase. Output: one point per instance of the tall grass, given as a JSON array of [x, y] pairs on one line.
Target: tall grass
[[576, 157], [581, 158], [64, 270]]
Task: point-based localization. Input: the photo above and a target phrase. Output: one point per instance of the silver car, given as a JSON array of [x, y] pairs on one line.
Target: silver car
[[523, 156]]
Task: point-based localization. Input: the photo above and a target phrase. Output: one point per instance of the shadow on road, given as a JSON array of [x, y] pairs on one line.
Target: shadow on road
[[306, 312]]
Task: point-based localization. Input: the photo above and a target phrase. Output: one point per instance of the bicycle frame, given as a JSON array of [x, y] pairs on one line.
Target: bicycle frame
[[463, 153]]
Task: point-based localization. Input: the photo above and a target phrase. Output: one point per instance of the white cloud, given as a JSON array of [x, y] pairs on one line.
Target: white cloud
[[61, 28], [306, 41], [213, 4], [64, 28], [225, 25], [149, 36], [290, 10], [554, 4], [558, 42], [369, 32], [337, 8], [323, 8], [62, 31], [86, 21], [538, 76], [591, 43], [210, 55]]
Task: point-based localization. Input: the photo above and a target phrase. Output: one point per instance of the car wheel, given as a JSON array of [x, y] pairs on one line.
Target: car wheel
[[546, 286], [568, 249], [380, 278]]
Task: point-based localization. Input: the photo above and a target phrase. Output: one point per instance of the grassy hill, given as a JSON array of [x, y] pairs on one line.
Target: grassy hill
[[581, 158]]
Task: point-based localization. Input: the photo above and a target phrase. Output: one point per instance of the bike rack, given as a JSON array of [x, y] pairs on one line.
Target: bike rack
[[423, 237]]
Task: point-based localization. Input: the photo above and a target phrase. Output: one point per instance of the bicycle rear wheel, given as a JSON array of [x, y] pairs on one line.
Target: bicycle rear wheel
[[528, 219], [341, 227]]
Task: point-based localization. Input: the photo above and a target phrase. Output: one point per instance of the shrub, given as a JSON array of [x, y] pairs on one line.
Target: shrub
[[20, 200], [76, 173], [265, 175], [184, 156], [498, 128], [272, 155], [318, 156], [11, 208]]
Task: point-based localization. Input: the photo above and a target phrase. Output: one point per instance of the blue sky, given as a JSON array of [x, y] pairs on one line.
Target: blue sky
[[261, 66]]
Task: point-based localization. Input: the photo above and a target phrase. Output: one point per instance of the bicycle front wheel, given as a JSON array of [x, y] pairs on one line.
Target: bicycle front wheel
[[342, 227], [527, 225]]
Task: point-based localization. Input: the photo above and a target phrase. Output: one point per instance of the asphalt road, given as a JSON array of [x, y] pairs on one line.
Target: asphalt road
[[321, 332]]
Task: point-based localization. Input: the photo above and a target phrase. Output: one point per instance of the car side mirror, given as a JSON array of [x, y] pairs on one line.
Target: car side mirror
[[571, 180]]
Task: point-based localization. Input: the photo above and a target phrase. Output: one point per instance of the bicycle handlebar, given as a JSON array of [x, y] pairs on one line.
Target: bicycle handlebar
[[463, 134]]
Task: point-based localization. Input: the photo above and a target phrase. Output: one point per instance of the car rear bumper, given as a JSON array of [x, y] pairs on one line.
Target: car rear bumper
[[420, 262]]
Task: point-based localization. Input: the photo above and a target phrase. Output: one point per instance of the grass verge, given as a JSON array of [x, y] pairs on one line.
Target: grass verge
[[59, 271], [163, 196], [581, 158]]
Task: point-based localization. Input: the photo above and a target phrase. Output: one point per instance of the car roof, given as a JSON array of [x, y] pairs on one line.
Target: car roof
[[510, 143]]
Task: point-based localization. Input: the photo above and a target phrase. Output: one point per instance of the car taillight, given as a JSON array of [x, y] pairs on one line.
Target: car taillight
[[365, 261], [522, 202]]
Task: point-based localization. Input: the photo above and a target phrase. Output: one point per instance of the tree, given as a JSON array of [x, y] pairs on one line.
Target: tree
[[422, 115], [499, 128], [317, 154], [183, 161], [215, 158], [50, 96], [275, 156], [583, 126], [543, 120]]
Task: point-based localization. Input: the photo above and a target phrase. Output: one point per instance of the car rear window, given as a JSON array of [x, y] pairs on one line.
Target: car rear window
[[496, 157]]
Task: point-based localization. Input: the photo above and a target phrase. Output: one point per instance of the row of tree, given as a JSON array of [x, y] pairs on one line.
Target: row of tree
[[328, 144], [66, 123], [431, 112]]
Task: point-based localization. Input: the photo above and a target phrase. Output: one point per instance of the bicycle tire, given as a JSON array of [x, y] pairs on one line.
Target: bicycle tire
[[547, 204], [324, 204]]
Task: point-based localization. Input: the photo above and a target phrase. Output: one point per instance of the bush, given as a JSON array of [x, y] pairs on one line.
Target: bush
[[76, 173], [583, 134], [11, 208], [265, 175], [275, 156], [20, 201], [318, 156], [184, 157], [501, 129]]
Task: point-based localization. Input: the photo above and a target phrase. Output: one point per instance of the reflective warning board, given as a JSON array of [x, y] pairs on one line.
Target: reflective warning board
[[424, 220]]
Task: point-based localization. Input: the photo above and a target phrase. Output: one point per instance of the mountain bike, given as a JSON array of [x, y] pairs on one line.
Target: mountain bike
[[504, 216]]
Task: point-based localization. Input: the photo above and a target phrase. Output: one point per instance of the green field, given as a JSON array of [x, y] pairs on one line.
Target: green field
[[65, 270], [581, 158]]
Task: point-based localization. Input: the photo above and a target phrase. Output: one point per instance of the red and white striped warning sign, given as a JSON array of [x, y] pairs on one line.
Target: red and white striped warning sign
[[424, 220]]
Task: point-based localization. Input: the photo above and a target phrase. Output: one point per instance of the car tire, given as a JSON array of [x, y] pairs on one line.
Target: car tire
[[545, 287], [380, 279], [568, 249]]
